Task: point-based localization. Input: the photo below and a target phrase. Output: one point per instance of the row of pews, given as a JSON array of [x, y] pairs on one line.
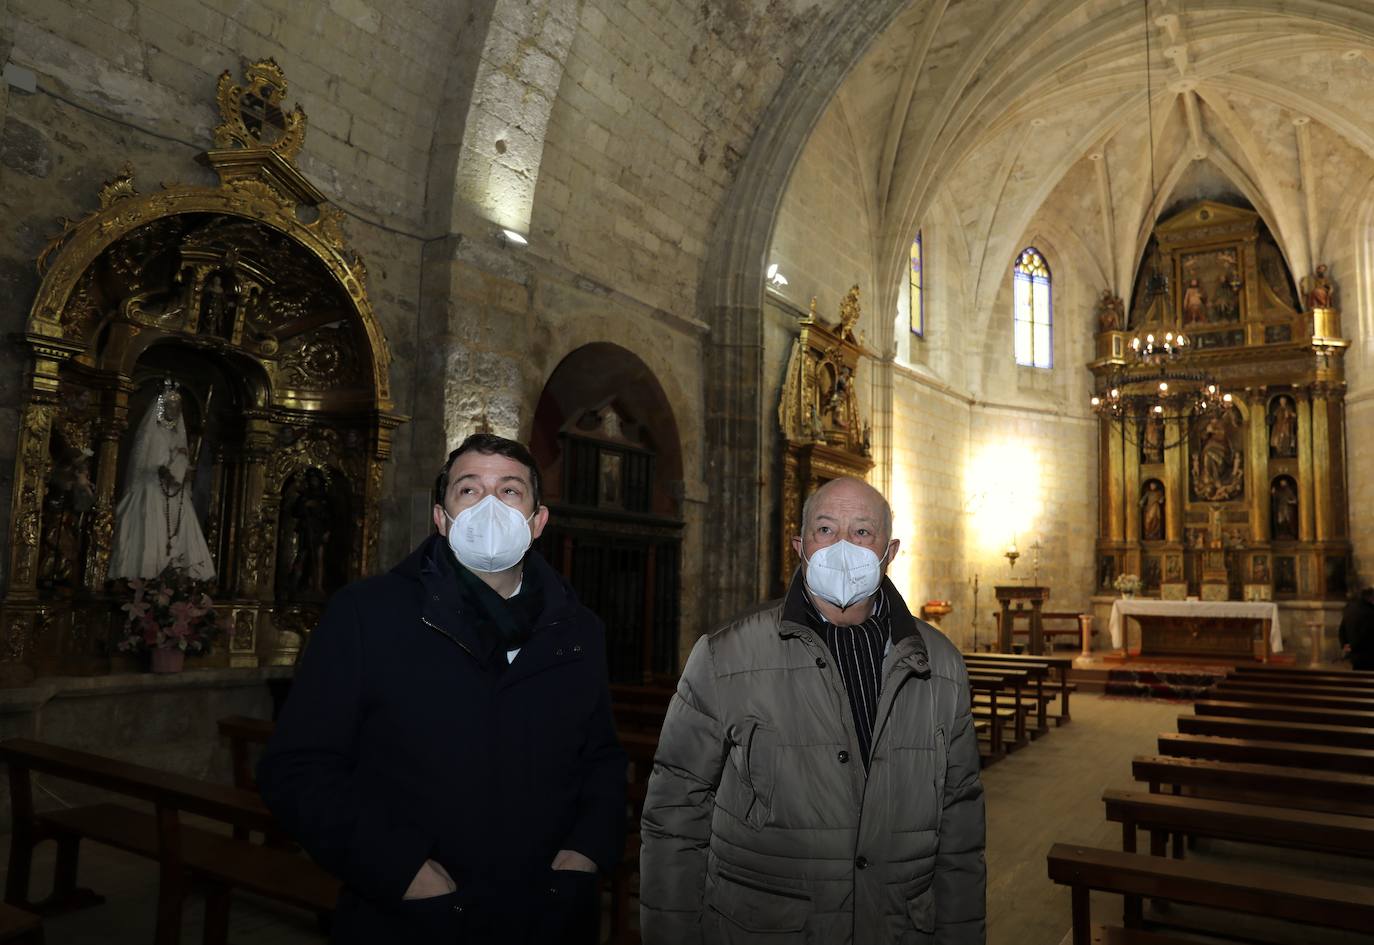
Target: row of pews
[[1015, 698], [1276, 757], [147, 816]]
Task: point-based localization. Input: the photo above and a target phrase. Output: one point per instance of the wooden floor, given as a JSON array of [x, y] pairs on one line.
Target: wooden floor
[[1050, 791]]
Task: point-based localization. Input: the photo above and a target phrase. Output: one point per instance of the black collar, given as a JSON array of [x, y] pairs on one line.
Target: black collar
[[795, 608]]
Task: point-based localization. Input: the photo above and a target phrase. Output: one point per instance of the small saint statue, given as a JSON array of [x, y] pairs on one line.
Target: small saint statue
[[1283, 428], [312, 529], [1321, 291], [1194, 303], [155, 523], [1284, 509], [1110, 312], [1152, 512]]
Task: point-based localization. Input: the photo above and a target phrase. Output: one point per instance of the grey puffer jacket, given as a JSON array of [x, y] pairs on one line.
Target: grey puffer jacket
[[761, 825]]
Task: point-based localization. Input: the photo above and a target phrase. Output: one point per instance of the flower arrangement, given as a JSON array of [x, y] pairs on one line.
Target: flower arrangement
[[169, 612], [1127, 584]]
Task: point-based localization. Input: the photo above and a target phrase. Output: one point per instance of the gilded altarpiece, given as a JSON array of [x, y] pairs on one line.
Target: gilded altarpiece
[[247, 299], [824, 434], [1246, 502]]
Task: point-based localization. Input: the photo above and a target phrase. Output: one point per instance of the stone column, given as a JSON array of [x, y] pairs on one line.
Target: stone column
[[1306, 520]]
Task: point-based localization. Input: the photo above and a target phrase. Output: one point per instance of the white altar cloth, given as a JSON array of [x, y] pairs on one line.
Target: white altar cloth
[[1254, 610]]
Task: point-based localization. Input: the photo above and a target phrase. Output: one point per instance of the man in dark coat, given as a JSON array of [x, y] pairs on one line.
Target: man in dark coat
[[1357, 630], [448, 749]]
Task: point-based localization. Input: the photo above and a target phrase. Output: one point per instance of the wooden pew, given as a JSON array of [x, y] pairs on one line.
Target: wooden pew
[[638, 717], [1281, 712], [1346, 680], [1315, 688], [1239, 692], [1062, 664], [1268, 669], [1070, 625], [1338, 792], [997, 710], [18, 927], [1038, 672], [642, 695], [1341, 736], [242, 732], [1319, 902], [1257, 751], [183, 852], [1164, 814]]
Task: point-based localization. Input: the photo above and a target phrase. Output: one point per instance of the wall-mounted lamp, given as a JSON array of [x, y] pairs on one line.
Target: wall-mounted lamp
[[774, 277], [512, 238]]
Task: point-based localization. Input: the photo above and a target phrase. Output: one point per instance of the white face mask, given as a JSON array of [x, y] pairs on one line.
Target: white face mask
[[489, 536], [844, 573]]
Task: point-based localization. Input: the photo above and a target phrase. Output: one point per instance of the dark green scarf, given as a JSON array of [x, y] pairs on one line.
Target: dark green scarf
[[502, 623]]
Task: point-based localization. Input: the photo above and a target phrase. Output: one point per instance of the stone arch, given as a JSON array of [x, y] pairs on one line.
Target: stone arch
[[731, 295], [606, 439]]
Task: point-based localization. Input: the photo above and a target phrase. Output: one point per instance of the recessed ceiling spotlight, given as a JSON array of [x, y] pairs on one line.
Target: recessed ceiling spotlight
[[1350, 55]]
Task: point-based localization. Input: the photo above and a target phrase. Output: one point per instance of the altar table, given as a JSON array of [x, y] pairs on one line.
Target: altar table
[[1230, 619]]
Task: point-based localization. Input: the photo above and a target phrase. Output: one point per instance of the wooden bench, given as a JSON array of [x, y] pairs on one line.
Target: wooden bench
[[1257, 751], [183, 852], [1077, 625], [1347, 680], [242, 732], [1164, 814], [1314, 688], [1320, 902], [1038, 673], [18, 927], [1063, 665], [1240, 692], [1338, 792], [1353, 675], [1231, 707], [1341, 736], [996, 710], [636, 717]]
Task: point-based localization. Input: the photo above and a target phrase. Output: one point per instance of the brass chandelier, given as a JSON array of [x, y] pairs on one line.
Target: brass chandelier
[[1156, 402]]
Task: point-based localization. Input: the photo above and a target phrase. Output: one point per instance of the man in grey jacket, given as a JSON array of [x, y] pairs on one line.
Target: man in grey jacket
[[817, 776]]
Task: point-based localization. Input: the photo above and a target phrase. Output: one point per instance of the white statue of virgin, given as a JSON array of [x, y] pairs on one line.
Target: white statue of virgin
[[155, 523]]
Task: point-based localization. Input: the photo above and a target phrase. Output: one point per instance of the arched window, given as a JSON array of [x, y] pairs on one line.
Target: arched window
[[1032, 310], [917, 286]]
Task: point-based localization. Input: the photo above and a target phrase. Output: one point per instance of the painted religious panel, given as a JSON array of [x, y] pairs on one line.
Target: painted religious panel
[[1210, 287], [1217, 463]]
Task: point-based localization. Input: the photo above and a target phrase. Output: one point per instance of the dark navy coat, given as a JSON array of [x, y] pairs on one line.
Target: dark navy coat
[[398, 745]]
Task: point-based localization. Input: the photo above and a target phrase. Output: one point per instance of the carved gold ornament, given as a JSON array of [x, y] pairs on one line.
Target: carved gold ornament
[[253, 278], [252, 115]]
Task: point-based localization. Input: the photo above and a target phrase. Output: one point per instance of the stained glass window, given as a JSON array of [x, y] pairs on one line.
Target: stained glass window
[[1033, 311], [917, 284]]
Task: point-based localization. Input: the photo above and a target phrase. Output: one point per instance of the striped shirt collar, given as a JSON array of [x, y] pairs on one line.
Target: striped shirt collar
[[878, 616]]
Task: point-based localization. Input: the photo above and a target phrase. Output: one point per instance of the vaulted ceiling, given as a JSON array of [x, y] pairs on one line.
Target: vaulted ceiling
[[979, 110]]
